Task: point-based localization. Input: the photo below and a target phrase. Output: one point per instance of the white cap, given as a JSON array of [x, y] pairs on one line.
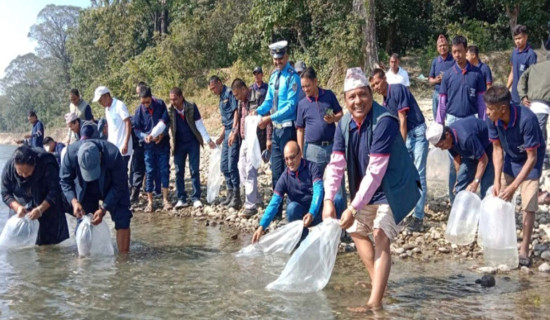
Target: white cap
[[70, 117], [99, 91], [278, 48], [434, 133], [355, 78]]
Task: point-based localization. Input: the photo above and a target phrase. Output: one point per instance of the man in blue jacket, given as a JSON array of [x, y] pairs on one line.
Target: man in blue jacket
[[93, 170]]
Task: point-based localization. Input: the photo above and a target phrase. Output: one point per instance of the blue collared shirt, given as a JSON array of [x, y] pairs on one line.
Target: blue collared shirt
[[521, 60], [145, 119], [310, 115], [470, 139], [522, 133], [400, 99], [262, 91], [287, 99], [462, 86], [37, 135], [486, 72], [228, 105], [440, 65]]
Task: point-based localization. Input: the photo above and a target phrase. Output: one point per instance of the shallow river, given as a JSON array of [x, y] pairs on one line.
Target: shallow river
[[181, 269]]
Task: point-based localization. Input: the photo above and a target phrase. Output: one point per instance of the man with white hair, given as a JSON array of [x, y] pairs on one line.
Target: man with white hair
[[383, 181]]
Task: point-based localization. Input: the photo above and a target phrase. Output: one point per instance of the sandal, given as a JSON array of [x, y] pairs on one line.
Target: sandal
[[525, 262], [149, 208]]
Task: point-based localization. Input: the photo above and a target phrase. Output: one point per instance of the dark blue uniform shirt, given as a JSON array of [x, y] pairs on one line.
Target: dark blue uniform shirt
[[470, 139], [440, 65], [228, 105], [145, 119], [310, 116], [400, 99], [521, 60], [462, 87], [298, 186]]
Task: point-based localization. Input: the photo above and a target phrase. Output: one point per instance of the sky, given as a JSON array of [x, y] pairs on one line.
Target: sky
[[16, 19]]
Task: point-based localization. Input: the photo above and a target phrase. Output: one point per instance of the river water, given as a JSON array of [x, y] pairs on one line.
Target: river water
[[182, 269]]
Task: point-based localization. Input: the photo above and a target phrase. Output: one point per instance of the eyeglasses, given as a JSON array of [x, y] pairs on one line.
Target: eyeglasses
[[291, 158]]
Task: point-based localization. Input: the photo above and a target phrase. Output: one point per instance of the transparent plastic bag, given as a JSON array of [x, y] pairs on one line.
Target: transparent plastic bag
[[464, 218], [437, 173], [310, 267], [281, 240], [84, 236], [214, 175], [93, 240], [253, 145], [19, 232]]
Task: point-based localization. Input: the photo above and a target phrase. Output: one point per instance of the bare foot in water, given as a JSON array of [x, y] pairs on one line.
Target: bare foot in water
[[365, 308]]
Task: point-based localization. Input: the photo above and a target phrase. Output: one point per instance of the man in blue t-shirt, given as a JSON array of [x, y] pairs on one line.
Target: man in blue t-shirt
[[440, 64], [230, 141], [399, 100], [518, 153], [36, 137], [467, 140], [522, 57], [302, 182], [473, 57]]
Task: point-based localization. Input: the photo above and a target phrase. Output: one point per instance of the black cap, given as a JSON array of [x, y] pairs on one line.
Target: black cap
[[257, 70]]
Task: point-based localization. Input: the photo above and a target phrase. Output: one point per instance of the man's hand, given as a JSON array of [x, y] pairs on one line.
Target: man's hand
[[508, 193], [124, 149], [231, 139], [472, 187], [264, 122], [268, 144], [98, 216], [27, 136], [35, 214], [21, 211], [211, 144], [496, 188], [347, 219], [220, 140], [158, 139], [329, 118], [148, 139], [439, 78], [77, 209], [329, 211], [526, 102], [308, 219], [257, 234]]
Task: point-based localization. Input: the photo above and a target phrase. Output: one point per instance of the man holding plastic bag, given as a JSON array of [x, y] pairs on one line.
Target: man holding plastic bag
[[93, 170], [302, 182], [467, 140], [250, 153], [383, 181], [518, 153]]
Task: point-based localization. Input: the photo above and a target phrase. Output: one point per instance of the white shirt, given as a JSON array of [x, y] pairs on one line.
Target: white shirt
[[402, 77], [115, 115], [539, 107]]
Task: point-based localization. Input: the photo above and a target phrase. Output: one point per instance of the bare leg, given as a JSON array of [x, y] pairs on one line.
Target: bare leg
[[366, 252], [123, 240], [167, 204], [149, 202], [528, 224], [382, 266]]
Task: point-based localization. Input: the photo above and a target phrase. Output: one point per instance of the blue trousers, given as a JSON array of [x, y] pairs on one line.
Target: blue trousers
[[157, 160], [278, 142], [296, 211], [229, 162], [417, 146], [191, 149], [435, 103], [467, 173], [449, 119]]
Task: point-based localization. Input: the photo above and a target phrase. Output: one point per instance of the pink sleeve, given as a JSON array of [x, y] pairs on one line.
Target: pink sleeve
[[333, 174], [441, 109], [371, 181]]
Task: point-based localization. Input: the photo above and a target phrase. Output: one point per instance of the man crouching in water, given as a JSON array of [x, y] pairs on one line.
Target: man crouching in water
[[383, 182]]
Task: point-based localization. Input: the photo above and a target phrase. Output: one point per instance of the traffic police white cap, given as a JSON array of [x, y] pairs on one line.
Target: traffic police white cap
[[278, 49]]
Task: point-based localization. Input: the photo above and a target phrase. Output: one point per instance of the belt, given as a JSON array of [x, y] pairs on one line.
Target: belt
[[322, 143], [283, 125]]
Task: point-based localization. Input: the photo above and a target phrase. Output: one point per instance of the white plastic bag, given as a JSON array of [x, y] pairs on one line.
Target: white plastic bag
[[93, 240], [84, 237], [214, 175], [19, 232], [282, 240], [464, 218], [253, 145], [437, 173], [310, 267]]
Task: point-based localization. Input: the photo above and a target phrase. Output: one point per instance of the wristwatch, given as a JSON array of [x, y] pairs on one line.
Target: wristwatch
[[353, 210], [476, 180]]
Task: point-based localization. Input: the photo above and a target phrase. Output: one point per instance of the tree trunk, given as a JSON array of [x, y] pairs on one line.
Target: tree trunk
[[365, 10], [512, 14]]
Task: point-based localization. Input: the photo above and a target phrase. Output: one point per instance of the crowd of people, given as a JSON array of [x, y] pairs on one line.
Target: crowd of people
[[495, 137]]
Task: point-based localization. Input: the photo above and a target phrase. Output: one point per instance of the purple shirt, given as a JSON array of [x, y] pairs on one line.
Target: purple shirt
[[440, 65], [310, 116], [400, 99], [521, 60], [462, 86]]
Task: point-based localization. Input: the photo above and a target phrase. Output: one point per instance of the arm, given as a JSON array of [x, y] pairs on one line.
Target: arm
[[498, 163], [268, 102], [333, 175], [88, 113], [128, 124], [403, 123], [202, 130], [523, 88], [235, 130], [481, 108], [316, 200], [508, 193], [457, 161], [300, 138], [288, 107], [67, 176], [480, 171], [119, 183], [7, 187], [441, 109], [510, 79], [271, 210]]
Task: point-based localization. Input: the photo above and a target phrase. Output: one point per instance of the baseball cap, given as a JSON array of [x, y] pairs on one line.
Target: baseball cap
[[300, 66], [99, 91], [257, 70], [89, 161]]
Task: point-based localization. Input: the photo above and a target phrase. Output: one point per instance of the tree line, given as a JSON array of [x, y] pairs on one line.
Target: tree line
[[181, 42]]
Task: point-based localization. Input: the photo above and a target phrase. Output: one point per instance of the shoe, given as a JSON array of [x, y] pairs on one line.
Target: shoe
[[525, 262], [227, 199], [197, 204], [235, 202], [416, 225], [134, 196], [157, 195], [167, 205], [181, 204], [149, 208], [247, 213]]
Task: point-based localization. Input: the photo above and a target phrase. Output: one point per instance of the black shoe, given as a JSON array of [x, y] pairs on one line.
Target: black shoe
[[227, 199], [134, 196], [235, 202], [416, 225], [247, 213]]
